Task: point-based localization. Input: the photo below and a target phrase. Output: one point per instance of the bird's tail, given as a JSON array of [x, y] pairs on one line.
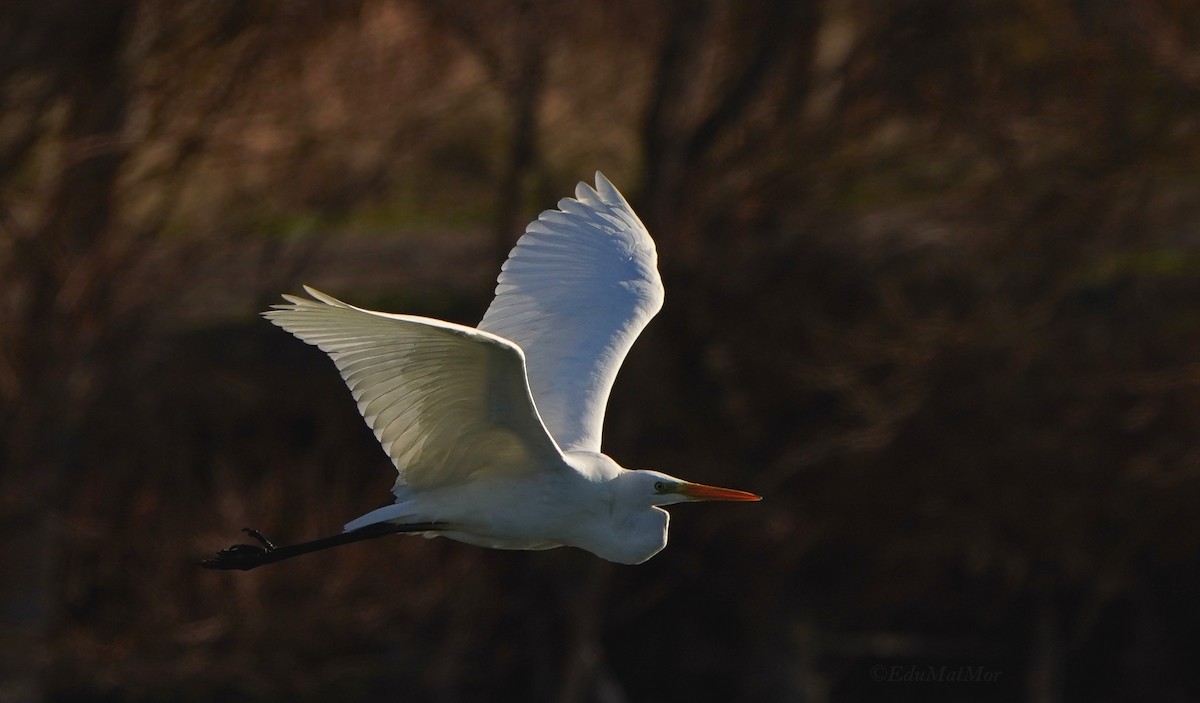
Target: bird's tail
[[397, 512]]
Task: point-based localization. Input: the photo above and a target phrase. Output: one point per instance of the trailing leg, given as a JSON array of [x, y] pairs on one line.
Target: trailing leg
[[249, 556]]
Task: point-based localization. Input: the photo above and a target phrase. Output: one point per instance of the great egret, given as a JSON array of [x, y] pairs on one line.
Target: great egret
[[495, 430]]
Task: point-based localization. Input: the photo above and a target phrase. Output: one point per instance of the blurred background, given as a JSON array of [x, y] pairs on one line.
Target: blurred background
[[933, 274]]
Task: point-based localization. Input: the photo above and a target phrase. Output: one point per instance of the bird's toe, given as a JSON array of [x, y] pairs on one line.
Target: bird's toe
[[258, 537]]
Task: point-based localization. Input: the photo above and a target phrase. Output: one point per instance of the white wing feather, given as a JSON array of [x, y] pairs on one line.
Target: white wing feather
[[447, 402], [576, 291]]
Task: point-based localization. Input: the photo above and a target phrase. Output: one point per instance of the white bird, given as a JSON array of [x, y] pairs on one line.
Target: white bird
[[495, 431]]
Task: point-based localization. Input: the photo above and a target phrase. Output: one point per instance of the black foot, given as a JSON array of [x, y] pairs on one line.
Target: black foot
[[242, 556]]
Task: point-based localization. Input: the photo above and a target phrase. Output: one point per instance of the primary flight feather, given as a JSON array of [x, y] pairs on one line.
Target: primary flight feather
[[495, 431]]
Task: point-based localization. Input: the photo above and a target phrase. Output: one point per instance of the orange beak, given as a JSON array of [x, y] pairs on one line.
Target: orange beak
[[699, 491]]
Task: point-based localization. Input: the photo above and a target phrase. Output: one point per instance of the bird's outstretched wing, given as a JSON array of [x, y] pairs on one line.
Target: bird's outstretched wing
[[576, 291], [447, 402]]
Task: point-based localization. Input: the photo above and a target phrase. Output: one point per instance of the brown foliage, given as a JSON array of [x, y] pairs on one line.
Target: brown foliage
[[932, 273]]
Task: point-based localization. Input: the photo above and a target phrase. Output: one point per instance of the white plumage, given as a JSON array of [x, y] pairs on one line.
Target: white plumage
[[576, 291], [446, 401], [495, 432]]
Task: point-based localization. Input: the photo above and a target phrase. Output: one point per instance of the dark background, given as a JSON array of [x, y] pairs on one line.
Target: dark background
[[933, 274]]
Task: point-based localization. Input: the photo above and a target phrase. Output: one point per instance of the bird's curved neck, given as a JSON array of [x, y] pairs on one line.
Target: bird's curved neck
[[635, 536]]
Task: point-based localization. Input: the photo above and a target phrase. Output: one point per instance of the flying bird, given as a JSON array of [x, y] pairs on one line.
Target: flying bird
[[495, 430]]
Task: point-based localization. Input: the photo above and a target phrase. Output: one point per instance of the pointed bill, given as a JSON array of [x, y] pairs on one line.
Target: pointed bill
[[699, 491]]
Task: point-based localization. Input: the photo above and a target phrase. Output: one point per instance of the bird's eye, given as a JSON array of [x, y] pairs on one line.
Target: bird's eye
[[660, 486]]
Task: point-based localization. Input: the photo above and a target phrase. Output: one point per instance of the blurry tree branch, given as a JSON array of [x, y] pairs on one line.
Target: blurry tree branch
[[511, 42], [696, 100]]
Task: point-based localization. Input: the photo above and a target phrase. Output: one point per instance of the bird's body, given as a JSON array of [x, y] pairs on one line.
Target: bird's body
[[578, 504], [495, 431]]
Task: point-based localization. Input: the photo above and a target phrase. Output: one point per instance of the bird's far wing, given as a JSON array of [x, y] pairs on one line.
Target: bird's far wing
[[576, 291], [447, 402]]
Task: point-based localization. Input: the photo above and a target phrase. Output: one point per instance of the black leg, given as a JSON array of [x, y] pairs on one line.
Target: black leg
[[249, 556]]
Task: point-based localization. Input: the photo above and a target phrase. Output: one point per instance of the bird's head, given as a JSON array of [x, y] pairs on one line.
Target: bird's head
[[660, 489]]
